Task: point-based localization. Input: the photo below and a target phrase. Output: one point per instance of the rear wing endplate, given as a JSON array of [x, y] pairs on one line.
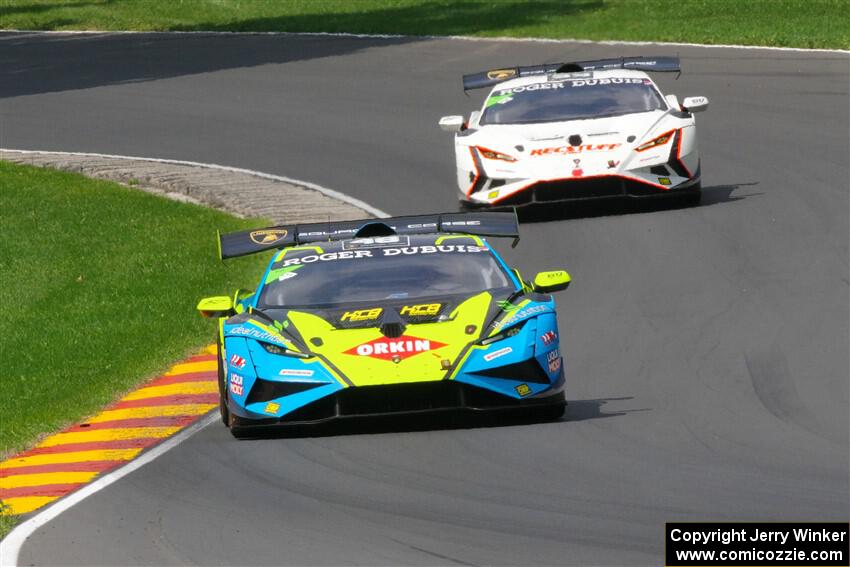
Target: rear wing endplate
[[496, 76], [498, 224]]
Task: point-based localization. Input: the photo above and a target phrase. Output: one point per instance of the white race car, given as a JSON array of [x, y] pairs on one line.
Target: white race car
[[583, 130]]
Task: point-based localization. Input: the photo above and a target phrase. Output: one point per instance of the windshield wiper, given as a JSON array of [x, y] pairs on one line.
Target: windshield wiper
[[262, 315]]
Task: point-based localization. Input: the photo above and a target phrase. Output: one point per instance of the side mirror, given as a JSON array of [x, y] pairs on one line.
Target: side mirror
[[217, 306], [695, 103], [673, 101], [548, 282], [451, 123]]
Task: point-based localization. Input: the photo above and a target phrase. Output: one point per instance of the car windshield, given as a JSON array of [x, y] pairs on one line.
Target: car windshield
[[359, 274], [573, 99]]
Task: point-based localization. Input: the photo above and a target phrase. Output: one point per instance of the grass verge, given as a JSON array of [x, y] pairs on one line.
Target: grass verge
[[789, 23], [99, 284]]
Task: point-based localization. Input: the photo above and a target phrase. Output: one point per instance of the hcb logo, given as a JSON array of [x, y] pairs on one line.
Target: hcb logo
[[423, 310], [362, 315]]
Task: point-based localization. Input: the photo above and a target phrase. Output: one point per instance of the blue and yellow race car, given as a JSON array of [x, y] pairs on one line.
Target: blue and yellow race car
[[399, 315]]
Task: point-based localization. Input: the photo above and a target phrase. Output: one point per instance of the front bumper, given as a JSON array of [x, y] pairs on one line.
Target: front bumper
[[583, 189], [417, 398]]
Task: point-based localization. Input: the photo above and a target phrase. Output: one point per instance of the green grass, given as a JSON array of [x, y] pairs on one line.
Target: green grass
[[99, 284], [7, 522], [794, 23]]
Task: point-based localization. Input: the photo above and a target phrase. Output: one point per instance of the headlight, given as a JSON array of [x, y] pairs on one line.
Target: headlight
[[513, 331], [276, 349], [659, 141], [492, 154]]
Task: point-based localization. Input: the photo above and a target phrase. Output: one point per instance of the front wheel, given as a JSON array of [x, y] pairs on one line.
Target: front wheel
[[238, 431], [692, 196], [553, 413], [466, 206]]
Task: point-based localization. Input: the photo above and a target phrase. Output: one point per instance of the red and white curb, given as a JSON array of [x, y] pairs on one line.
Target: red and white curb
[[66, 461]]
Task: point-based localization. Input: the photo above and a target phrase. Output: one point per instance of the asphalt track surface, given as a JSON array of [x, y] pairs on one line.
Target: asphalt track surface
[[706, 348]]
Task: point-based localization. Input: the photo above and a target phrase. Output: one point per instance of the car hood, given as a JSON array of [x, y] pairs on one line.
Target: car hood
[[390, 343], [540, 149]]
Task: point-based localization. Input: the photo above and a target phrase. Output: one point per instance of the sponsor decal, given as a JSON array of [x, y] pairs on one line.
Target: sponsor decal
[[396, 227], [611, 81], [520, 315], [553, 357], [237, 361], [360, 243], [268, 236], [574, 149], [532, 88], [501, 74], [613, 163], [462, 248], [236, 387], [422, 310], [403, 347], [453, 223], [406, 250], [492, 194], [498, 353], [498, 99], [523, 390], [362, 315], [295, 372], [272, 407], [281, 274], [664, 180], [256, 334], [548, 337]]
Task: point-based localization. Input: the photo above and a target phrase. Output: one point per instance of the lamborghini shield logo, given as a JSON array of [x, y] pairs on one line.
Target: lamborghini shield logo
[[268, 236], [500, 74]]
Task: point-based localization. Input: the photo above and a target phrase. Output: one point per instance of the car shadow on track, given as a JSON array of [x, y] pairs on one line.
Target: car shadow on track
[[577, 410], [581, 410], [714, 195]]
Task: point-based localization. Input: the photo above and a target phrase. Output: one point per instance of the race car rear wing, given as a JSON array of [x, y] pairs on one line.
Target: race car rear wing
[[496, 76], [500, 224]]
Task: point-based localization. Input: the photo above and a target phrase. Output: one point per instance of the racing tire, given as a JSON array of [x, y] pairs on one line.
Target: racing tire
[[692, 196], [465, 206], [237, 431], [553, 413], [222, 390]]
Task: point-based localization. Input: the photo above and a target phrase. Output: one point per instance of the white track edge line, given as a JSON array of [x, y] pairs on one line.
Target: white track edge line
[[306, 184], [10, 547], [456, 37]]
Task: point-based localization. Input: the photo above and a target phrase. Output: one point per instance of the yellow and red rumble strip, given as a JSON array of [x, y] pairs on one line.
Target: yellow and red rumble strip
[[68, 460]]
